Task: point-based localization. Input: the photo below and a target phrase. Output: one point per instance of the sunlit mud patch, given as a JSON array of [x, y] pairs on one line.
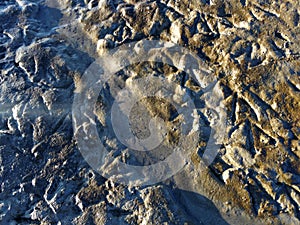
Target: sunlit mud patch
[[151, 100], [145, 109]]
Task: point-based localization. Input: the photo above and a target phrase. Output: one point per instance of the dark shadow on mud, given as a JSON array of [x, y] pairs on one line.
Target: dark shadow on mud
[[198, 208]]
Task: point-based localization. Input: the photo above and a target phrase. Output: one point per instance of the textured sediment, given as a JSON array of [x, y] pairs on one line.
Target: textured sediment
[[253, 49]]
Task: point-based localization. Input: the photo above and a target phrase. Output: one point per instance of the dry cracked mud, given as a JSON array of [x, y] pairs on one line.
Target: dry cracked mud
[[252, 49]]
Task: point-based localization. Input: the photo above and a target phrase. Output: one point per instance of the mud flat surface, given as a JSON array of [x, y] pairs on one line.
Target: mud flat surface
[[252, 50]]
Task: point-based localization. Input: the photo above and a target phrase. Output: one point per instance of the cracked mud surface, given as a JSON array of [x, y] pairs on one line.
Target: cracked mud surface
[[253, 49]]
